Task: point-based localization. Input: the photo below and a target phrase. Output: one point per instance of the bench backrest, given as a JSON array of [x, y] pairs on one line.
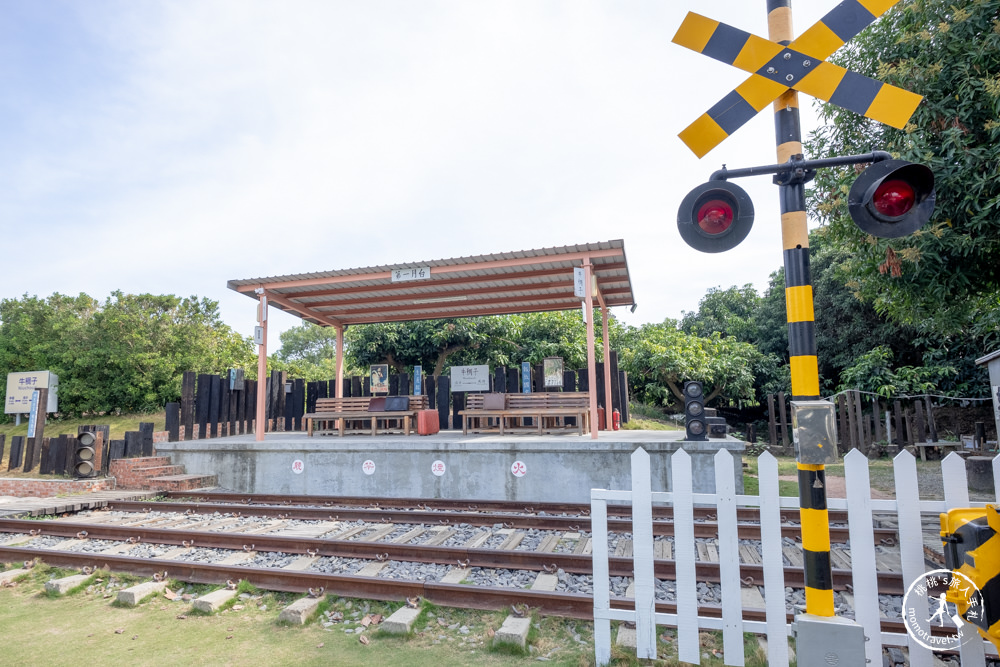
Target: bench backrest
[[548, 399], [360, 403]]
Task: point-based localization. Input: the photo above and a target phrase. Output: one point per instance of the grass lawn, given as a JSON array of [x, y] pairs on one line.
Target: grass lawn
[[88, 627]]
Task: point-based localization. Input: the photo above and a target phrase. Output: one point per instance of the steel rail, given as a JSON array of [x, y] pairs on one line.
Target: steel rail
[[751, 574], [570, 605], [662, 528], [511, 506]]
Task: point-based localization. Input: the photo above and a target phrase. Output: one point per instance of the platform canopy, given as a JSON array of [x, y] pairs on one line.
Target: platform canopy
[[523, 281]]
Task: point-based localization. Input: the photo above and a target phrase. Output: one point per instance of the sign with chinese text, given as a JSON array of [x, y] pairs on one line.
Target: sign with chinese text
[[470, 378], [525, 377], [416, 273], [21, 386], [418, 380], [33, 418]]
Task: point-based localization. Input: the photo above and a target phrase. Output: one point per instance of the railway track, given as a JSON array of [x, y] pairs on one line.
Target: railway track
[[457, 553]]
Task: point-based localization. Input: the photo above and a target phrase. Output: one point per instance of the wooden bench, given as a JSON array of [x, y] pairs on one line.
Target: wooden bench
[[548, 411], [348, 415], [945, 446]]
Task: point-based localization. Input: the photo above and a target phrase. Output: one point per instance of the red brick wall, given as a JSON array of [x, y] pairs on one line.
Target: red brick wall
[[131, 474], [47, 488]]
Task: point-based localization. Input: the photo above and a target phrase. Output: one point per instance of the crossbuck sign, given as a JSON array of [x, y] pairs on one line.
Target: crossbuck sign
[[801, 65]]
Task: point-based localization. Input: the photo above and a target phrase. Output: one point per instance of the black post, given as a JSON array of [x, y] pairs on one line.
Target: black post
[[443, 400], [188, 383], [146, 433], [214, 405], [173, 422]]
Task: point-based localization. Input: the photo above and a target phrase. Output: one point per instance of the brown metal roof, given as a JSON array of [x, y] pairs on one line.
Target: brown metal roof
[[523, 281]]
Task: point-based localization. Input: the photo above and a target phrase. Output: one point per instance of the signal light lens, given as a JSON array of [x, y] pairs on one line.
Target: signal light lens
[[715, 216], [894, 198]]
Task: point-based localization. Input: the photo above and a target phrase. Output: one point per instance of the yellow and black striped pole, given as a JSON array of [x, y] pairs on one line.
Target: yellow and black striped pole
[[801, 329]]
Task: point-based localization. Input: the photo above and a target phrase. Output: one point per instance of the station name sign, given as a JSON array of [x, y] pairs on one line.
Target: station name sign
[[415, 273]]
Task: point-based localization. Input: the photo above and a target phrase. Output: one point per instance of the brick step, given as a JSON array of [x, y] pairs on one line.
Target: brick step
[[159, 471], [181, 482], [143, 462]]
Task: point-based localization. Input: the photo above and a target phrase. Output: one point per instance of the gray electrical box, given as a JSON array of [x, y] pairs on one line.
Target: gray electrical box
[[814, 430], [822, 641]]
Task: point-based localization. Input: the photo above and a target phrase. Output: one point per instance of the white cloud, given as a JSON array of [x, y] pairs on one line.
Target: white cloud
[[230, 139]]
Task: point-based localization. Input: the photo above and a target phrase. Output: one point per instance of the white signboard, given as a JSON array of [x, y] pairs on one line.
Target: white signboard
[[579, 284], [20, 387], [470, 378], [416, 273]]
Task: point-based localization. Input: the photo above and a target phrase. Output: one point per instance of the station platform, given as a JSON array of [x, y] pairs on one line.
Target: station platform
[[12, 506], [556, 468]]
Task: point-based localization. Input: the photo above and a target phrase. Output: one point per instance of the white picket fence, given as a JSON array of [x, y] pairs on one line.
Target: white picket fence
[[688, 623]]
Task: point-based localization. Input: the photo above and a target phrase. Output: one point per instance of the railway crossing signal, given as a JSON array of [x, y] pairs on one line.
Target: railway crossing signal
[[85, 455], [715, 216], [695, 424], [892, 198], [801, 65]]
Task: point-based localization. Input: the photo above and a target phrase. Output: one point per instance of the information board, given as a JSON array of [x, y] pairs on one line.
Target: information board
[[470, 378], [20, 387]]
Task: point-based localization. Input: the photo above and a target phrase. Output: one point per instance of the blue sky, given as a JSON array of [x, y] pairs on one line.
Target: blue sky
[[168, 147]]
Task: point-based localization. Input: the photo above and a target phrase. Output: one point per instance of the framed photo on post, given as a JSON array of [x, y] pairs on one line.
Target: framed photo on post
[[552, 368], [380, 379]]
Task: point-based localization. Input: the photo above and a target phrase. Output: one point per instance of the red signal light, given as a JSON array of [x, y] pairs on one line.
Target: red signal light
[[715, 216], [894, 198]]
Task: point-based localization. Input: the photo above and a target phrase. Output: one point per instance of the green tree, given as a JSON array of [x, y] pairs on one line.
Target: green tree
[[660, 357], [873, 372], [429, 343], [126, 354], [307, 351], [946, 276], [139, 345], [731, 312]]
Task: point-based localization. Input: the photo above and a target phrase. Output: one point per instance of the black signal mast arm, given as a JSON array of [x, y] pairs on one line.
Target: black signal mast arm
[[798, 169]]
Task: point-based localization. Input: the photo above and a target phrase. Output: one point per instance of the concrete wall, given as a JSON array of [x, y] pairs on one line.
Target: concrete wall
[[558, 468]]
